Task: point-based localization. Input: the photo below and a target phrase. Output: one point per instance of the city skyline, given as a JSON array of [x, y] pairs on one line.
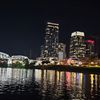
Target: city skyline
[[49, 50], [22, 28], [79, 46]]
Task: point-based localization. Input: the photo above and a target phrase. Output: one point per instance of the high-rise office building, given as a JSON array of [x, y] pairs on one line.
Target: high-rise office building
[[61, 51], [90, 50], [77, 45], [50, 47]]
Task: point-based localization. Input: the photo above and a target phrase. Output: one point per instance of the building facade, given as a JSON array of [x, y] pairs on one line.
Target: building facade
[[77, 45], [61, 51], [50, 47], [90, 49]]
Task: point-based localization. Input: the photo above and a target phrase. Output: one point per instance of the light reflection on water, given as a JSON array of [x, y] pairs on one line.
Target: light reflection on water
[[50, 84]]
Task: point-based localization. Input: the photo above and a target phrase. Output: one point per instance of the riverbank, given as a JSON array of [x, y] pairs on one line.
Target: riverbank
[[70, 68], [79, 69]]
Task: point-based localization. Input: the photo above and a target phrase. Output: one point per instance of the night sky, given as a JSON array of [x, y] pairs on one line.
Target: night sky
[[22, 23]]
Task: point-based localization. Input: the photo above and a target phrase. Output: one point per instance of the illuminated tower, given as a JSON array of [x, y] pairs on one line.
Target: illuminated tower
[[90, 50], [77, 45], [61, 51], [51, 40]]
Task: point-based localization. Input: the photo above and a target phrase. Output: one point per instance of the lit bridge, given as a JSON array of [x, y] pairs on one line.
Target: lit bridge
[[20, 58], [4, 56]]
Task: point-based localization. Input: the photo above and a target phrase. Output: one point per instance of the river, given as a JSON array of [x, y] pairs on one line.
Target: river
[[49, 84]]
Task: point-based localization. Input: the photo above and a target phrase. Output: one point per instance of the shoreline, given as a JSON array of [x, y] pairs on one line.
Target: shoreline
[[79, 69], [70, 68]]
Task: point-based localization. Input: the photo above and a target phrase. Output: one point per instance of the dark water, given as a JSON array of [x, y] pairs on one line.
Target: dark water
[[37, 84]]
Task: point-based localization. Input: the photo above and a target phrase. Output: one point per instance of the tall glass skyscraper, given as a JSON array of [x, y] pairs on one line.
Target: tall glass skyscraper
[[50, 48], [77, 45]]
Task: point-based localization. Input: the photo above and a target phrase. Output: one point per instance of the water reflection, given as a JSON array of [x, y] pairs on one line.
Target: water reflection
[[50, 84], [14, 80], [68, 85]]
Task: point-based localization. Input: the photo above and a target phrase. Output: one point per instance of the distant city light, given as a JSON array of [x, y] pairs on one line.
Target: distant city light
[[90, 41], [77, 33]]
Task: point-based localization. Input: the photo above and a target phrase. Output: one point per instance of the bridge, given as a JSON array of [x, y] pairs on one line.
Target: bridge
[[19, 57], [4, 56], [4, 59]]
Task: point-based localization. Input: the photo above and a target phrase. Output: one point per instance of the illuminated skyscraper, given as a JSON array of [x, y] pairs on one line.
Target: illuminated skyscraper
[[90, 50], [50, 48], [61, 51], [77, 45]]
